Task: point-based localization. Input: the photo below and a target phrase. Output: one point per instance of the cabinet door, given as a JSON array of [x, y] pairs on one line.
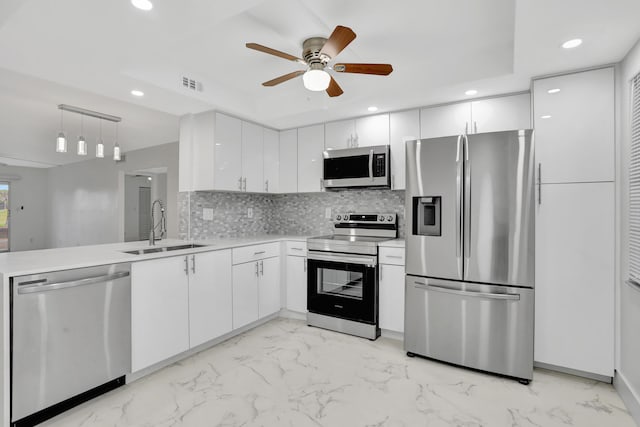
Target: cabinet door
[[446, 120], [271, 148], [296, 283], [574, 319], [575, 140], [310, 160], [403, 126], [245, 293], [252, 158], [392, 297], [228, 153], [185, 150], [372, 130], [499, 114], [210, 312], [269, 287], [341, 134], [289, 161], [202, 154], [159, 310]]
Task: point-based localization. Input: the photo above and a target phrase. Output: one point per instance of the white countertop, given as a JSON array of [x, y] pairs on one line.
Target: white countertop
[[44, 260], [395, 243]]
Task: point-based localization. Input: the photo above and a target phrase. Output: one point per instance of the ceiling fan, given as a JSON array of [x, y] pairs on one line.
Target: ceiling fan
[[317, 53]]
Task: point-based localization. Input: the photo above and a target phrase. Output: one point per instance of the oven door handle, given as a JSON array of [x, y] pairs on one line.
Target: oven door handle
[[369, 261]]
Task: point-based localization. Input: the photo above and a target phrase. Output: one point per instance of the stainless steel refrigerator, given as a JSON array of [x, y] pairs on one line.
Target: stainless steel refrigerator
[[470, 251]]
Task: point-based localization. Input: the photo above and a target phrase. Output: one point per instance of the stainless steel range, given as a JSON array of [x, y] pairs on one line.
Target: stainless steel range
[[342, 277]]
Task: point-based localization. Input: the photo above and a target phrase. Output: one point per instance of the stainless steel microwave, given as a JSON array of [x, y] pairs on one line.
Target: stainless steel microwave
[[357, 167]]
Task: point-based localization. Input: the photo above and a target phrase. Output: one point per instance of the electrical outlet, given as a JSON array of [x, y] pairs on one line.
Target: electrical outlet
[[207, 214], [250, 213], [327, 213]]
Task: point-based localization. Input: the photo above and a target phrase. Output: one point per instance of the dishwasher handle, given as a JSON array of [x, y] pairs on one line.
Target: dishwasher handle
[[40, 286]]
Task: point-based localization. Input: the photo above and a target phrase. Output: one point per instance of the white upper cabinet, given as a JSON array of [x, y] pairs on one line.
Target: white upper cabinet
[[196, 151], [271, 149], [288, 161], [575, 127], [486, 115], [503, 113], [445, 120], [228, 153], [403, 126], [185, 156], [310, 159], [252, 158], [372, 130], [340, 134]]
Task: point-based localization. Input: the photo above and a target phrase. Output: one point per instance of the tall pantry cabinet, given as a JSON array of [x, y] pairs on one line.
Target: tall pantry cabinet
[[575, 188]]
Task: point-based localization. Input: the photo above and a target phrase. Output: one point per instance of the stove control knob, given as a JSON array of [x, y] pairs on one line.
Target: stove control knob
[[389, 218], [346, 217], [338, 218], [381, 218]]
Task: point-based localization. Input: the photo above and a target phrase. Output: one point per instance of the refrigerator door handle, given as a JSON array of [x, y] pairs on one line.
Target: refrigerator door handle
[[467, 208], [490, 295], [459, 165], [539, 183]]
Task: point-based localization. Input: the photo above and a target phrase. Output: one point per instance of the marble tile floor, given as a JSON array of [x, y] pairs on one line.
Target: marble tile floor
[[285, 373]]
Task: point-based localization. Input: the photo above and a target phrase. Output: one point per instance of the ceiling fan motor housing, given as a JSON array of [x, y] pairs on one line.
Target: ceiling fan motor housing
[[311, 52]]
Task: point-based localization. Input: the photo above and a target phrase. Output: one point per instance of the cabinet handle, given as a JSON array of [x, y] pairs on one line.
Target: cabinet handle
[[193, 264], [305, 265], [258, 253], [186, 265], [475, 127], [256, 269], [244, 184], [262, 268], [266, 185], [539, 183], [240, 183], [296, 249], [394, 256]]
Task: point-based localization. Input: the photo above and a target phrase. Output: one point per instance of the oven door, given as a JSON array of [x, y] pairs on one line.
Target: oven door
[[343, 285]]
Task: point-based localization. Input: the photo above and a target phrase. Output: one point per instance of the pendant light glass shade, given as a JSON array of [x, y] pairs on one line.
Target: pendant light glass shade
[[82, 146], [100, 149], [116, 147], [61, 143]]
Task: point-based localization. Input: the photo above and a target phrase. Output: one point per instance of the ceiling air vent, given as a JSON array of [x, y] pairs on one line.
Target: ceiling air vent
[[191, 84]]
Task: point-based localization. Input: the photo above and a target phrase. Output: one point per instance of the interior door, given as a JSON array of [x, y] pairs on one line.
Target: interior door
[[499, 209], [433, 171]]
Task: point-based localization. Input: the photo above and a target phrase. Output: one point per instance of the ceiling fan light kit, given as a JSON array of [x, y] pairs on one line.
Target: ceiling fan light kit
[[317, 53]]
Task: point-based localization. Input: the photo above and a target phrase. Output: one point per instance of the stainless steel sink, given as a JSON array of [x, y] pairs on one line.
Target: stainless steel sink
[[163, 249]]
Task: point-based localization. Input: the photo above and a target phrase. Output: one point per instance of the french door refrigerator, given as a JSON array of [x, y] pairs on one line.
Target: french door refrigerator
[[470, 251]]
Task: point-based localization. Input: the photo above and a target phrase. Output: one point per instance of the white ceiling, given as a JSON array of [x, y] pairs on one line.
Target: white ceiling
[[438, 50]]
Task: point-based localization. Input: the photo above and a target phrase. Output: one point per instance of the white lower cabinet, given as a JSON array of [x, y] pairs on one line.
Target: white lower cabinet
[[269, 287], [297, 283], [574, 290], [391, 289], [178, 303], [245, 293]]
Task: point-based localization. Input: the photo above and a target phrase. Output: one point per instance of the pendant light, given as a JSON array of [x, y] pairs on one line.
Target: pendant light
[[100, 144], [116, 147], [82, 143], [61, 140]]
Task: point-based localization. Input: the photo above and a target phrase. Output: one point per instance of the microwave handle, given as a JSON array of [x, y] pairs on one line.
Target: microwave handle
[[371, 164]]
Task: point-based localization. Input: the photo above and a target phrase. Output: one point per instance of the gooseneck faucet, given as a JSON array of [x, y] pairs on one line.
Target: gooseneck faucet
[[162, 223]]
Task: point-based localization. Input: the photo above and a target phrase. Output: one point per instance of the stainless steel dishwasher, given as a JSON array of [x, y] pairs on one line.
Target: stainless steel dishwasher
[[71, 339]]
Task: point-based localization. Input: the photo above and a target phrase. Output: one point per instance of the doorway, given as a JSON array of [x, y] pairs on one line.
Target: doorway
[[141, 188], [4, 216]]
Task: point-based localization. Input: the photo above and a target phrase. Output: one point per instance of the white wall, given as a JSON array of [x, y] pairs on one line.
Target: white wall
[[628, 300], [28, 205], [87, 198]]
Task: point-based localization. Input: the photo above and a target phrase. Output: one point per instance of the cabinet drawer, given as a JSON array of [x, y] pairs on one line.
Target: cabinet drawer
[[297, 248], [252, 253], [391, 256]]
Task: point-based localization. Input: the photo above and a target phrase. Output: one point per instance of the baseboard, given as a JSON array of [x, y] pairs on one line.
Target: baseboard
[[576, 372], [398, 336], [288, 314], [629, 396]]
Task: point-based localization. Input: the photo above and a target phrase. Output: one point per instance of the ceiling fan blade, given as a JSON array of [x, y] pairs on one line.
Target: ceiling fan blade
[[378, 69], [260, 48], [284, 78], [334, 89], [338, 40]]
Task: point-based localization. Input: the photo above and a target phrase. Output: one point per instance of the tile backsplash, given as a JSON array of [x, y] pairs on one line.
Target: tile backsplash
[[301, 213]]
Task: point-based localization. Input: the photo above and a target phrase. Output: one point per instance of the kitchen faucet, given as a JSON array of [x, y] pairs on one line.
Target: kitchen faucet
[[162, 223]]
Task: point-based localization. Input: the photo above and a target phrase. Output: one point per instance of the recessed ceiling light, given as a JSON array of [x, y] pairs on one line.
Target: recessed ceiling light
[[556, 90], [546, 116], [471, 92], [372, 109], [136, 92], [570, 44], [142, 4]]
